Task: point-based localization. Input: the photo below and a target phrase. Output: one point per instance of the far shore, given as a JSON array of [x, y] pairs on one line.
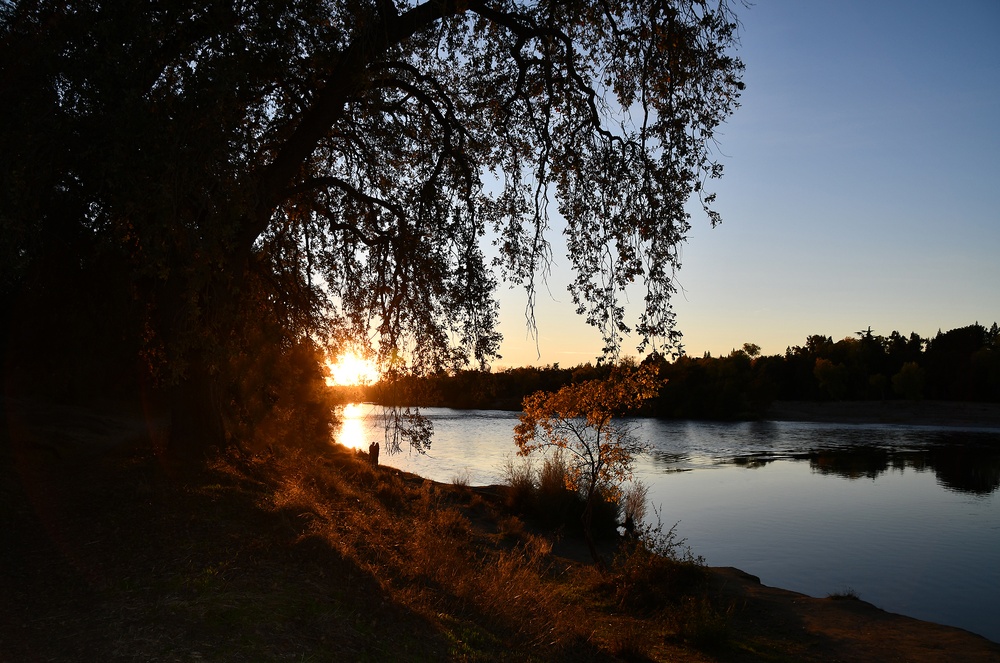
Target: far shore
[[913, 413]]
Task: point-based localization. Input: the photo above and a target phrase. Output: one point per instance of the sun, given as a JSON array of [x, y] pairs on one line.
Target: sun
[[350, 370]]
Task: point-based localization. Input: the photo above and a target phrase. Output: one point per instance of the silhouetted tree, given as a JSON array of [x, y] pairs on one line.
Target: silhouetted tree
[[832, 378], [948, 362], [737, 386], [909, 382], [879, 383], [321, 165]]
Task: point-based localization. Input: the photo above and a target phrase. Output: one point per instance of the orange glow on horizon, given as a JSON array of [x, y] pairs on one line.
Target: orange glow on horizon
[[350, 370]]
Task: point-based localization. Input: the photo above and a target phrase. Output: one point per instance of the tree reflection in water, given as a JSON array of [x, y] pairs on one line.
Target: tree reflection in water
[[962, 467]]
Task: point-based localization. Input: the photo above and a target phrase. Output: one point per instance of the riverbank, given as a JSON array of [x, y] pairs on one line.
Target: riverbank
[[912, 413], [318, 556]]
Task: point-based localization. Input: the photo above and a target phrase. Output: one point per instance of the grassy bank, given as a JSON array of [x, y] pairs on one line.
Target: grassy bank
[[305, 556]]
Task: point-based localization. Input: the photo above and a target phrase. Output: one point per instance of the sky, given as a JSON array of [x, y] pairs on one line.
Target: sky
[[861, 187]]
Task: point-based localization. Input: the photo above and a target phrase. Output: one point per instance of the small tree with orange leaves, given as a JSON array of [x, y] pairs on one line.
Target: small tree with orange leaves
[[585, 420]]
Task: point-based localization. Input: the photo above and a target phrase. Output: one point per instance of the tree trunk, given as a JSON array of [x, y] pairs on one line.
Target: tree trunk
[[588, 535], [196, 424]]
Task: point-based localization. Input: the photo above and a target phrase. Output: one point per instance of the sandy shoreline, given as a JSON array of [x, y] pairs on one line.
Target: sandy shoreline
[[921, 413]]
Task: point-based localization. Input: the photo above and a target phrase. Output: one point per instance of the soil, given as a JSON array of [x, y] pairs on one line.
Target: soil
[[844, 628]]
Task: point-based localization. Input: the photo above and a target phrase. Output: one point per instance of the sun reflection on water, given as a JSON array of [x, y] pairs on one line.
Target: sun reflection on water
[[354, 430]]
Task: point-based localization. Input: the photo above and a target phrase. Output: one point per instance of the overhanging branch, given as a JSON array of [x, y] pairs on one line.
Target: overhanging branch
[[328, 181]]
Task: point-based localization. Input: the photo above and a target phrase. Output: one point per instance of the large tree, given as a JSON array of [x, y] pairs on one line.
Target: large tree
[[329, 169]]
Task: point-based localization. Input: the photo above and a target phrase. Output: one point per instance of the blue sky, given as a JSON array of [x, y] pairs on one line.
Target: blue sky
[[862, 186]]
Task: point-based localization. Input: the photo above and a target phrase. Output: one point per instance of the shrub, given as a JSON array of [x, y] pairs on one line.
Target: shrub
[[633, 507], [585, 420], [698, 621], [553, 478], [462, 479], [546, 496], [655, 569], [555, 503], [518, 476]]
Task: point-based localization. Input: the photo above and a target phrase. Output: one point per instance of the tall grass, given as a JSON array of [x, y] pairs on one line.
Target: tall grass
[[471, 566], [416, 539], [544, 496], [635, 499]]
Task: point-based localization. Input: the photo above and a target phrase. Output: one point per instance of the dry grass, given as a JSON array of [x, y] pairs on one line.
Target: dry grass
[[543, 496], [479, 573], [285, 554], [293, 555], [492, 579]]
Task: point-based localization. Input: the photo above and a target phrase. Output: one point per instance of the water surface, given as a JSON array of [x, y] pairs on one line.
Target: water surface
[[907, 517]]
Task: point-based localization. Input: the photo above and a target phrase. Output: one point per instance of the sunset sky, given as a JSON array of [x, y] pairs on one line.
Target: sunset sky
[[862, 186]]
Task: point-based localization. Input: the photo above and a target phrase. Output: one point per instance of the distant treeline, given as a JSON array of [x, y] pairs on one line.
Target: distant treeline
[[960, 365]]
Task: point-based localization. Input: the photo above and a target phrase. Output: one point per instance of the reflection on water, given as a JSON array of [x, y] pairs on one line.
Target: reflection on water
[[355, 426], [909, 517], [961, 460], [967, 469]]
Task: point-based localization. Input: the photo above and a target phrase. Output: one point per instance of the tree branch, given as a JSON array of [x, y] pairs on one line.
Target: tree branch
[[331, 181], [344, 80]]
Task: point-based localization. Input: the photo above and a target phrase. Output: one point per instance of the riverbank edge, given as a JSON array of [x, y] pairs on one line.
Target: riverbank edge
[[77, 440], [842, 626]]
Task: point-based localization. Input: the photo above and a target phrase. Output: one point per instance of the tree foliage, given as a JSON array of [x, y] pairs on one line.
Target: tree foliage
[[959, 365], [333, 167], [584, 421]]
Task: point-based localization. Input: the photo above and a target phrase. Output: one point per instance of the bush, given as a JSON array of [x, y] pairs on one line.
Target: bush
[[519, 478], [700, 622], [545, 497], [462, 478], [655, 569], [555, 504]]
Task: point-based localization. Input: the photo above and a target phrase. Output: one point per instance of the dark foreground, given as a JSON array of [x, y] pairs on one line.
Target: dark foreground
[[108, 555]]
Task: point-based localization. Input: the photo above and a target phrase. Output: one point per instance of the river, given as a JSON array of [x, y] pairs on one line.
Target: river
[[907, 517]]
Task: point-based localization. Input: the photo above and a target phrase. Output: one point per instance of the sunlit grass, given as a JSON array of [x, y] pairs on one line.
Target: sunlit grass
[[418, 541]]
